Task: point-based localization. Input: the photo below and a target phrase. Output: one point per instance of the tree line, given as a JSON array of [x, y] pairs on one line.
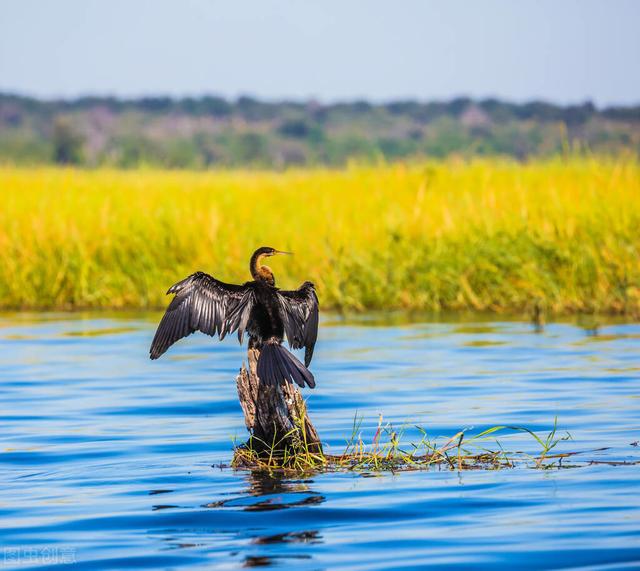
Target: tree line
[[212, 131]]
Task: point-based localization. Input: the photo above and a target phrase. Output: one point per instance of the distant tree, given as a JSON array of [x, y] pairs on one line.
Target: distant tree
[[405, 107], [360, 106], [396, 148], [445, 137], [132, 151], [622, 113], [20, 147], [67, 143], [458, 105], [578, 114], [339, 150], [251, 148], [182, 153], [498, 111], [210, 105], [301, 129], [156, 104], [255, 110], [294, 128]]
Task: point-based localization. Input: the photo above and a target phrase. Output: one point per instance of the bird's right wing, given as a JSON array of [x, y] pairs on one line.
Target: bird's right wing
[[203, 303], [299, 310]]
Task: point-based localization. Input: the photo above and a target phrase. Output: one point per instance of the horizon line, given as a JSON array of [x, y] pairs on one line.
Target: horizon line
[[309, 99]]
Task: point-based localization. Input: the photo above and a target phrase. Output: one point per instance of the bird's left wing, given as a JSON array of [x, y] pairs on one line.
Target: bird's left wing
[[299, 310], [203, 303]]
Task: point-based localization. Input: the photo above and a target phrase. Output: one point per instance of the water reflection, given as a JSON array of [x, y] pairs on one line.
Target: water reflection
[[269, 491], [312, 536], [265, 561]]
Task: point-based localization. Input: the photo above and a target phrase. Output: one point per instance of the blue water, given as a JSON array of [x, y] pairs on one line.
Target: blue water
[[111, 461]]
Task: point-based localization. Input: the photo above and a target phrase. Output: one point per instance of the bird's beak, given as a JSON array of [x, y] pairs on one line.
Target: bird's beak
[[281, 252]]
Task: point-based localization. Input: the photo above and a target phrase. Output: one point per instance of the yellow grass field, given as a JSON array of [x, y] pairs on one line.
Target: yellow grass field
[[483, 235]]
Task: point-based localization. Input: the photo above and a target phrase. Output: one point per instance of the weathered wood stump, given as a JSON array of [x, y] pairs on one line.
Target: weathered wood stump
[[276, 416]]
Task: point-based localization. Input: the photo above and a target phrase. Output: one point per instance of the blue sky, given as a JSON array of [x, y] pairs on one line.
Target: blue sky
[[560, 50]]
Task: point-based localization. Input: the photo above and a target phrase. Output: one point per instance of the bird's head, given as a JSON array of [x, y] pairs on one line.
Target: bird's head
[[260, 272], [268, 251]]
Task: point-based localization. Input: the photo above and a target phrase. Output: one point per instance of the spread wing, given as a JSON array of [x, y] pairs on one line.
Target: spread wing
[[299, 310], [202, 303]]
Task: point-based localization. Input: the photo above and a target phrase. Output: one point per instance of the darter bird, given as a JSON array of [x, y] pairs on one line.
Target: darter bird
[[266, 313]]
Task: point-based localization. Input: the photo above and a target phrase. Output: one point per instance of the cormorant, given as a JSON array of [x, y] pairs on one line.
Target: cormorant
[[266, 313]]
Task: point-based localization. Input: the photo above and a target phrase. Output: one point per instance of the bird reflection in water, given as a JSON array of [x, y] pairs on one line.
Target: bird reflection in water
[[269, 492]]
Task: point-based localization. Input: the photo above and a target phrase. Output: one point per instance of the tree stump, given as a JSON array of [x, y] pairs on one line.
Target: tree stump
[[276, 416]]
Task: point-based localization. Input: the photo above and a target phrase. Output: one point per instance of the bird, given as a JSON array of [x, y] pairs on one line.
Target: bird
[[266, 313]]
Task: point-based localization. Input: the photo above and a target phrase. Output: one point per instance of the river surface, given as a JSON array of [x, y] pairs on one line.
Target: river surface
[[111, 461]]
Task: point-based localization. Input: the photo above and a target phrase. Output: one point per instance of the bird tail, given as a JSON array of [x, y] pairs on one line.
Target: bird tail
[[276, 364]]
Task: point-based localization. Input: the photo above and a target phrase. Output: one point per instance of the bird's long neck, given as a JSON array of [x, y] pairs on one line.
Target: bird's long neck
[[259, 272]]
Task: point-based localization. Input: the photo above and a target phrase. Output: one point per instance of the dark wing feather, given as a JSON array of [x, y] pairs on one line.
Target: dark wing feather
[[203, 303], [299, 309]]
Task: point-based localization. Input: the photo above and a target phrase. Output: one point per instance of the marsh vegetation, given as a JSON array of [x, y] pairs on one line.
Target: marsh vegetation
[[550, 237]]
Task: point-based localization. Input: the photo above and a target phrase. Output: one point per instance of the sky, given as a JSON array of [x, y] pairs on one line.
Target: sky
[[565, 51]]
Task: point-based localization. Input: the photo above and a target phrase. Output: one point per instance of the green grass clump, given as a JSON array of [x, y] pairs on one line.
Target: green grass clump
[[556, 236], [388, 452]]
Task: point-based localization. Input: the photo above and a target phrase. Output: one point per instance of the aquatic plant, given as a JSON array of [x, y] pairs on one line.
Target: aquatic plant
[[545, 237], [388, 452]]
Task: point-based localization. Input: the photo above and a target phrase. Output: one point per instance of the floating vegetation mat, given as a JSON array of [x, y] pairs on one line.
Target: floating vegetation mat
[[388, 453]]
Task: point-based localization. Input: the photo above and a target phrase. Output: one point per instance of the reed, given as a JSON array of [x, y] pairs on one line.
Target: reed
[[557, 236]]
